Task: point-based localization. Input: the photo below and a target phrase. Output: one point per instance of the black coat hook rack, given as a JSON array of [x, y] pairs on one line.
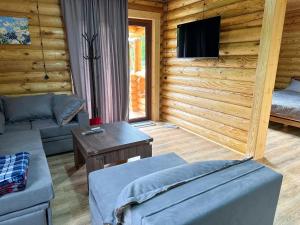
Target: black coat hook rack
[[91, 57]]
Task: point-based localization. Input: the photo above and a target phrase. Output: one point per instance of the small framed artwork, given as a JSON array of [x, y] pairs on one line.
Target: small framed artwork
[[14, 31]]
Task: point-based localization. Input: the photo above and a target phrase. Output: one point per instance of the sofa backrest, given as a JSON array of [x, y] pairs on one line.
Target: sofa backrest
[[27, 107]]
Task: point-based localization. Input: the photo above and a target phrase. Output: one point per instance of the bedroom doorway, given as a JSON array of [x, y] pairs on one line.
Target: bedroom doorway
[[285, 108], [140, 40]]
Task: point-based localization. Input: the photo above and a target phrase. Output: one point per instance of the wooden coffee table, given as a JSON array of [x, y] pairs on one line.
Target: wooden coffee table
[[118, 143]]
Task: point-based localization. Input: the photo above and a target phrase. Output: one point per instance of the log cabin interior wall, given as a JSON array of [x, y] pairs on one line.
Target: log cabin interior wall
[[213, 97], [289, 61], [21, 66]]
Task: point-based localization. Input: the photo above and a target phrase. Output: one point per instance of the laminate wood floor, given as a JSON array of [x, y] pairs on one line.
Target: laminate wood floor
[[70, 206]]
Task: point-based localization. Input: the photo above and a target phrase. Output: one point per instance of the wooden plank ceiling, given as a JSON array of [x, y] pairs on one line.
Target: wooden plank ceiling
[[146, 5], [293, 5]]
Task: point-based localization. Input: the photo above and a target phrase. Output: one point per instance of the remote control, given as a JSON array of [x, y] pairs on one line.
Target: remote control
[[93, 131]]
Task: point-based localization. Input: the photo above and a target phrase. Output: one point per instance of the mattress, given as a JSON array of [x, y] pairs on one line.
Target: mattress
[[286, 104]]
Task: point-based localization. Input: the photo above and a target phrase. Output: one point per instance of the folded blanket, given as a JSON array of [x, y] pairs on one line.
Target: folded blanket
[[152, 185], [13, 172]]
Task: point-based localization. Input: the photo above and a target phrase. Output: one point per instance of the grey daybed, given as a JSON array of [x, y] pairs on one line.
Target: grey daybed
[[286, 105], [166, 190]]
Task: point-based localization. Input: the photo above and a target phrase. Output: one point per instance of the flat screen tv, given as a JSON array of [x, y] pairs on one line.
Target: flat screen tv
[[199, 39]]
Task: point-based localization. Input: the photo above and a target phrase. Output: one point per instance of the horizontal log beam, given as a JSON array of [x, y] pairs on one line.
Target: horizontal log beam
[[224, 85], [25, 66], [33, 77], [238, 35], [46, 21], [28, 88], [217, 95], [227, 11], [221, 128], [145, 8], [28, 54], [247, 62], [217, 106], [27, 6], [234, 74], [213, 136], [229, 120], [230, 49]]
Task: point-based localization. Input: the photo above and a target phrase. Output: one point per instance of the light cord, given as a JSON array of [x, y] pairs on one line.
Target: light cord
[[46, 77]]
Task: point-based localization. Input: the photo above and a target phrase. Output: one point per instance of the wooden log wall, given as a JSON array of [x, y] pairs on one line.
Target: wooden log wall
[[21, 66], [213, 97], [146, 5], [289, 60]]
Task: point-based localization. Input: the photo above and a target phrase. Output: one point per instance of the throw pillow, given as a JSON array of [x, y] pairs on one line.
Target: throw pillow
[[294, 86], [28, 107], [65, 108], [2, 123]]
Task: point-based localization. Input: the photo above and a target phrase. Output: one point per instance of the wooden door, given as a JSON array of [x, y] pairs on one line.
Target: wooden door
[[140, 41]]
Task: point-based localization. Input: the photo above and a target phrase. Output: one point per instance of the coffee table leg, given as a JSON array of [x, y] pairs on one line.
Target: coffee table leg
[[147, 151], [92, 164], [78, 157]]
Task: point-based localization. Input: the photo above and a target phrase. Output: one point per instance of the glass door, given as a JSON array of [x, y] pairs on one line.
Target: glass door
[[140, 69]]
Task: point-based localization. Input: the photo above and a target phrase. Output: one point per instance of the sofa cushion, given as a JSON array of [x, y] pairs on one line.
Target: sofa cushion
[[107, 199], [49, 128], [33, 107], [22, 140], [17, 126], [66, 107], [39, 184], [2, 123]]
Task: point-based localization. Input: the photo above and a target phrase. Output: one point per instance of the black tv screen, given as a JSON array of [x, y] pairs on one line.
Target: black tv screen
[[199, 39]]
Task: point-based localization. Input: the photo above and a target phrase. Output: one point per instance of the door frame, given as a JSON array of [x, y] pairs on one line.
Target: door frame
[[148, 70]]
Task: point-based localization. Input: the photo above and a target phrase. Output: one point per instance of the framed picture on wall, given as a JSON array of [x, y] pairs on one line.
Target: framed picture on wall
[[14, 31]]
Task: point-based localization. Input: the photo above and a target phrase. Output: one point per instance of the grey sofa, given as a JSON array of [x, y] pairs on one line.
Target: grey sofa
[[31, 206], [166, 190], [38, 113], [31, 124]]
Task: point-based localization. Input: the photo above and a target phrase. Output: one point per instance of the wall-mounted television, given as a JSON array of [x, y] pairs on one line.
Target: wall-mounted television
[[199, 39]]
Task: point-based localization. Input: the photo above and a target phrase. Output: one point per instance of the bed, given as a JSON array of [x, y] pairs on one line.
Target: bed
[[286, 105]]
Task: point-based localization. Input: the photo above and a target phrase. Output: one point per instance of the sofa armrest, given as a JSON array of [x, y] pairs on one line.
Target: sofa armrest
[[83, 119]]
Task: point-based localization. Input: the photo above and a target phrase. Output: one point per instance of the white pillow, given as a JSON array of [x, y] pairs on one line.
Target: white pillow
[[294, 86]]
